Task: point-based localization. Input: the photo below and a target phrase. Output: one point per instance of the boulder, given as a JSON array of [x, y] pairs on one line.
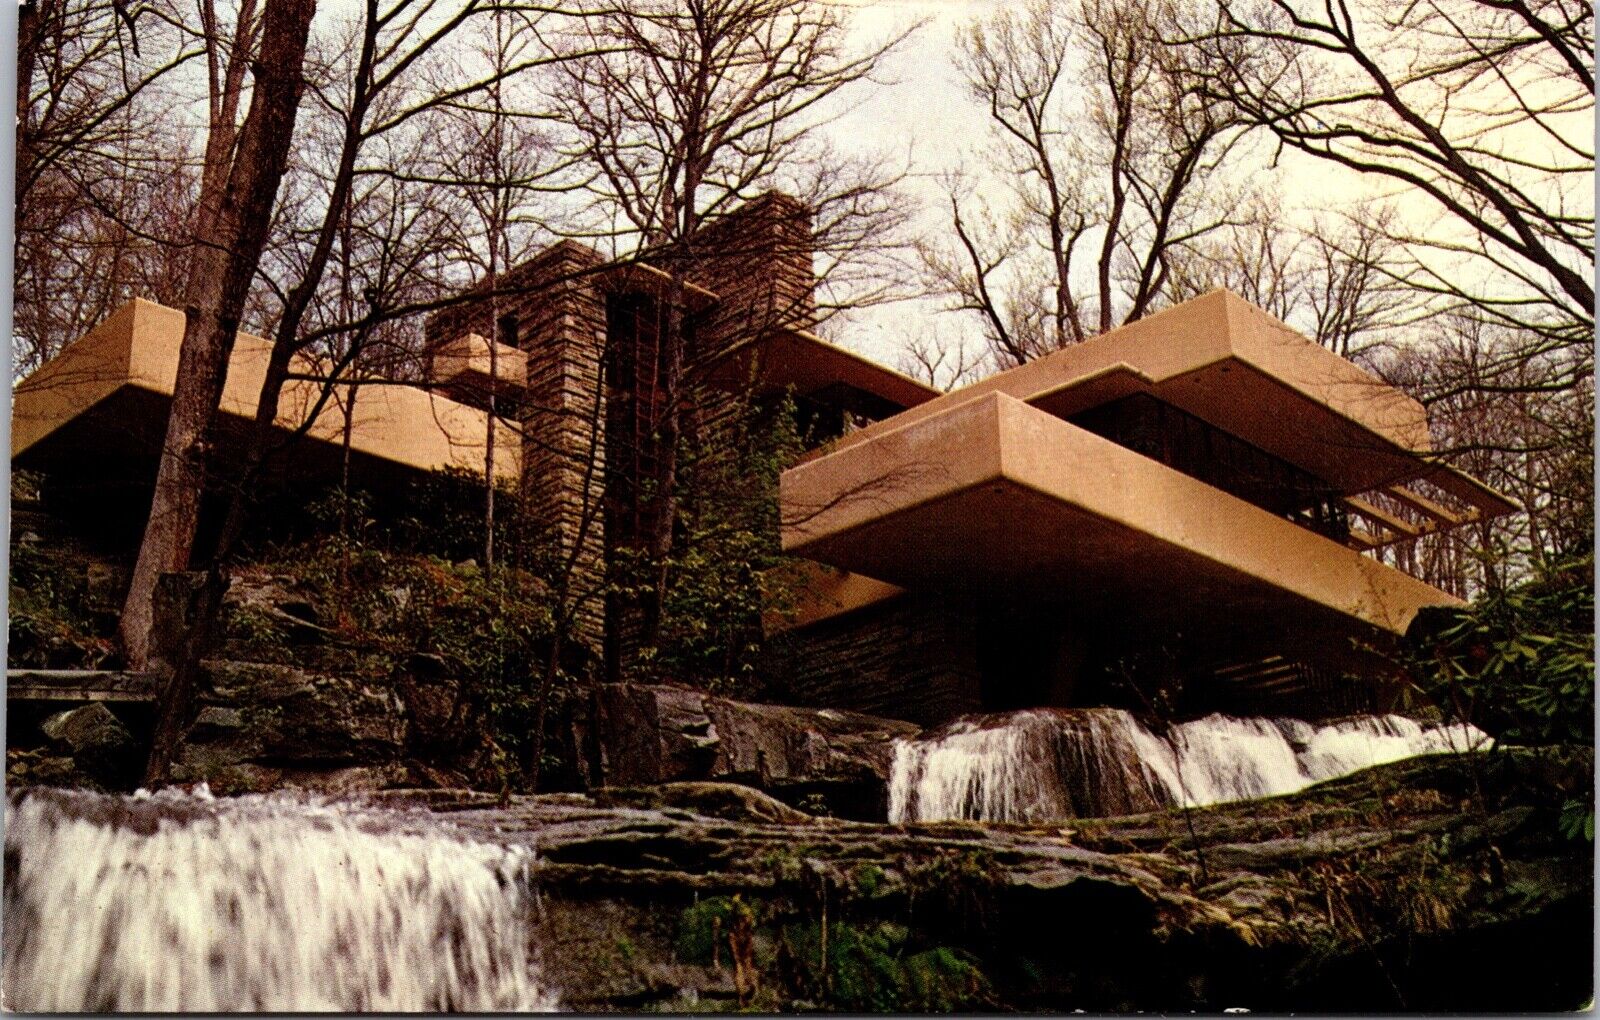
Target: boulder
[[101, 746], [434, 703], [45, 767], [273, 721], [247, 777], [276, 604], [816, 759], [1434, 884], [87, 728]]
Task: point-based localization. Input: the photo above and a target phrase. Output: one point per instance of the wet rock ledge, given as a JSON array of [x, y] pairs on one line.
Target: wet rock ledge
[[1434, 884]]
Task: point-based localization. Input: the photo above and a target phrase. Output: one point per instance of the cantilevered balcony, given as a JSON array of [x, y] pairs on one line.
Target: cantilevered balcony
[[995, 489]]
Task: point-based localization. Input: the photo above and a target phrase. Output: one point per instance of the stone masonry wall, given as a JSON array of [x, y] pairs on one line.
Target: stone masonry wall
[[561, 323], [757, 259], [907, 659]]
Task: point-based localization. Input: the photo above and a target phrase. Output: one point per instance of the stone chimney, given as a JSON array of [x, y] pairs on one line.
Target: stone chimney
[[757, 259]]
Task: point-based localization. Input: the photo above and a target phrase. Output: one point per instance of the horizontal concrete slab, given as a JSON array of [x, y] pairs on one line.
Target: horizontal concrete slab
[[1231, 364], [112, 388], [994, 495]]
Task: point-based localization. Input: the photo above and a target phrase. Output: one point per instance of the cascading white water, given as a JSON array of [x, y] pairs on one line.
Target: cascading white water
[[182, 902], [1041, 765]]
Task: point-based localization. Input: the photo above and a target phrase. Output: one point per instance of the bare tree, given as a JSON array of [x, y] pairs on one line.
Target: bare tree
[[940, 359], [685, 109], [1480, 114], [238, 190], [1481, 109], [382, 95], [504, 165], [1525, 425], [102, 193], [1116, 161], [1333, 278]]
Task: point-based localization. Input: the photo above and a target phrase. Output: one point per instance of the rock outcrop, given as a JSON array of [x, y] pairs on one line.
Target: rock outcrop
[[821, 759], [85, 746], [262, 726], [1435, 884]]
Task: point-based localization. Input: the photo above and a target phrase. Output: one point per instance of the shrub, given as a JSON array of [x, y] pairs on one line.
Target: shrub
[[52, 625], [1518, 662], [727, 569], [871, 968]]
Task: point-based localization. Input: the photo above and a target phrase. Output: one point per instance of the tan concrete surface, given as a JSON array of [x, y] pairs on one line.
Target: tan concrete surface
[[136, 350], [795, 358], [993, 495], [826, 592], [475, 361], [1226, 361]]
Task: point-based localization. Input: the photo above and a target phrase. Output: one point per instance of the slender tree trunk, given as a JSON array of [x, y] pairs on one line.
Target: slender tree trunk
[[30, 25], [547, 680], [344, 493], [224, 264], [666, 439], [671, 422], [488, 451]]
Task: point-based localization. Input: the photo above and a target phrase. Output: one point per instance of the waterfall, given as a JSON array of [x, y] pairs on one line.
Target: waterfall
[[1041, 765], [181, 902]]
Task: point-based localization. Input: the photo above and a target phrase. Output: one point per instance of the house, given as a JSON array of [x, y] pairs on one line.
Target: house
[[565, 345], [1204, 485]]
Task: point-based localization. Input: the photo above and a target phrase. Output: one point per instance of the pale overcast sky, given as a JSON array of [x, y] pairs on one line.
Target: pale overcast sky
[[926, 114]]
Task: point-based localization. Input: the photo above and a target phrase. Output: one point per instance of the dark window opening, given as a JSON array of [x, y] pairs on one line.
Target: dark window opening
[[1202, 451], [633, 408], [506, 330], [824, 415]]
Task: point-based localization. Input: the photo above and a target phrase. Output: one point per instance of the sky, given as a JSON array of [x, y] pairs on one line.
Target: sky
[[922, 113]]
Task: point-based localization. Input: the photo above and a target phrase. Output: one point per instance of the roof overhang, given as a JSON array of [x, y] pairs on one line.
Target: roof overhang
[[474, 364], [825, 593], [104, 400], [992, 495], [786, 358], [1238, 368]]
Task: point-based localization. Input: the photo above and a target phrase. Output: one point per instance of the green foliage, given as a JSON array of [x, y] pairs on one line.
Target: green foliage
[[438, 514], [942, 980], [52, 625], [870, 968], [257, 631], [1518, 662], [867, 879], [703, 929], [1577, 819], [727, 569], [490, 630]]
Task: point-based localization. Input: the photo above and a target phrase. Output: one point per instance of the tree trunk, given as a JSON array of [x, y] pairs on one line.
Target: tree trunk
[[30, 22], [229, 242], [670, 427], [228, 250]]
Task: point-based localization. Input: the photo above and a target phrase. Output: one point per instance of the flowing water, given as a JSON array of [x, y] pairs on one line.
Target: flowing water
[[1041, 765], [181, 902]]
